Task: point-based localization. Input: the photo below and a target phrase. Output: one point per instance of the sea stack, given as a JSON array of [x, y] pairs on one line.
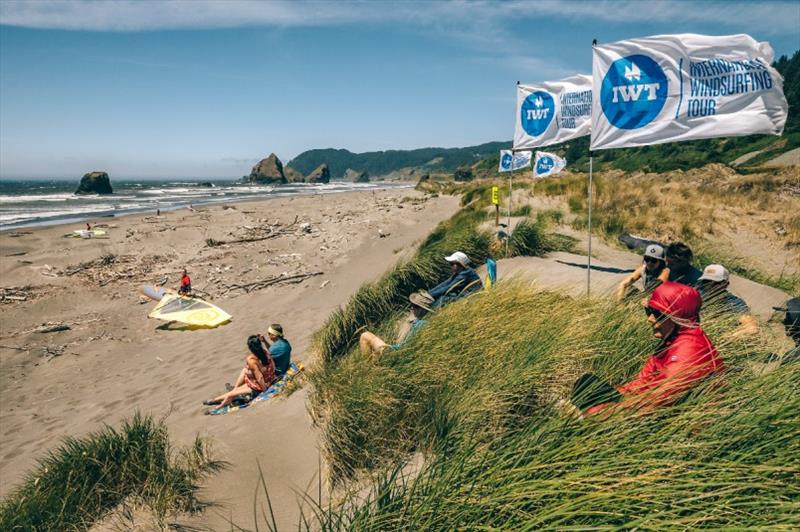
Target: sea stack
[[95, 183], [268, 171], [292, 175], [321, 174], [355, 176]]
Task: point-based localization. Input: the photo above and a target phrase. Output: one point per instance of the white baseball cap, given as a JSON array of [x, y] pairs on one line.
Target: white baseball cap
[[458, 257], [654, 251], [715, 272]]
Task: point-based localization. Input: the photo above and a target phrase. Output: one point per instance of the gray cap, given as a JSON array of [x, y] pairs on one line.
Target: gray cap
[[654, 251]]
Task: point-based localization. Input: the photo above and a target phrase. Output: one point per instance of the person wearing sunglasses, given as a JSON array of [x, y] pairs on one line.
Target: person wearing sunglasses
[[684, 357], [652, 272]]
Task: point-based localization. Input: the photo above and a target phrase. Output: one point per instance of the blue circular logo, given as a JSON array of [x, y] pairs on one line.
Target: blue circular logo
[[537, 113], [545, 164], [505, 161], [633, 92]]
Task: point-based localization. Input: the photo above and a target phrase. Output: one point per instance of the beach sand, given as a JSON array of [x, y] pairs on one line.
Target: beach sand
[[113, 360]]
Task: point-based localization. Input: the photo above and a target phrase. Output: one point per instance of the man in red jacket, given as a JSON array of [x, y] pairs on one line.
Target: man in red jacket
[[684, 357]]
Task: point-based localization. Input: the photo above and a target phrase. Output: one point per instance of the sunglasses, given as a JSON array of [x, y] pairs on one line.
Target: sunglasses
[[650, 259], [650, 311]]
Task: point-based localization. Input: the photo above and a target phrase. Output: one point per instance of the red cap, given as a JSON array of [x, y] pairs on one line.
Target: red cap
[[677, 301]]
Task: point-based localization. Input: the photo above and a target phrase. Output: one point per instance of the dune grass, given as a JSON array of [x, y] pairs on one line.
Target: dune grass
[[697, 207], [86, 478], [374, 302], [476, 390]]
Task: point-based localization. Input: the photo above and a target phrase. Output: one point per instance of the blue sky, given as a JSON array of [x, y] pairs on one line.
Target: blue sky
[[205, 89]]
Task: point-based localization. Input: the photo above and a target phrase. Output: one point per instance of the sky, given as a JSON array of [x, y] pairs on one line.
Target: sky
[[204, 89]]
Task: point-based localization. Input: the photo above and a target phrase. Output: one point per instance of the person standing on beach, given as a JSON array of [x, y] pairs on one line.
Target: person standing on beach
[[279, 349], [679, 261]]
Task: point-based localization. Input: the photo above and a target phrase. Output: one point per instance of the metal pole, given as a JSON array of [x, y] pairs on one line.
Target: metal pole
[[510, 194], [589, 258]]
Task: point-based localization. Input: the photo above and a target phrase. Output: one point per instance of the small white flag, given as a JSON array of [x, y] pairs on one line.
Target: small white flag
[[514, 161], [553, 112], [547, 164], [672, 88]]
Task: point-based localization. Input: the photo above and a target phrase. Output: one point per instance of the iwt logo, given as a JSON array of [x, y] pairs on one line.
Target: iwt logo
[[633, 92], [545, 164], [537, 112], [506, 160]]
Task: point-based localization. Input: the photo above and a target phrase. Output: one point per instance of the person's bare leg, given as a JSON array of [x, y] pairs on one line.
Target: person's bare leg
[[370, 343], [226, 398]]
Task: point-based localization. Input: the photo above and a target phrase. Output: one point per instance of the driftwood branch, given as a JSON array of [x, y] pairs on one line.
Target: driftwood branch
[[279, 279]]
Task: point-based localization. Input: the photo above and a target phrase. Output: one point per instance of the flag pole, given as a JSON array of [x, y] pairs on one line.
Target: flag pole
[[510, 195], [589, 258]]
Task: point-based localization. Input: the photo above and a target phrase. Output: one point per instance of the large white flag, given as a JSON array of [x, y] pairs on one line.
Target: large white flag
[[547, 164], [514, 160], [670, 88], [553, 112]]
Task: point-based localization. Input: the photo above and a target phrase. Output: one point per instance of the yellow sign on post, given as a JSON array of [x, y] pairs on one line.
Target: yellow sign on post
[[495, 195]]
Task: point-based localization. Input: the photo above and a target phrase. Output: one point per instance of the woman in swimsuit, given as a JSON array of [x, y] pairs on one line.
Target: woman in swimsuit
[[257, 375]]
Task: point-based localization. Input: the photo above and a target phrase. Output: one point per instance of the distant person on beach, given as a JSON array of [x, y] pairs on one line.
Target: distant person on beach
[[257, 375], [463, 280], [684, 358], [370, 343], [679, 261], [88, 226], [186, 284], [713, 285], [279, 349], [652, 272]]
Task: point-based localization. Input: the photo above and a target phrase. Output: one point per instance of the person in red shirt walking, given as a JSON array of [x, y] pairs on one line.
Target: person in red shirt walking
[[684, 357]]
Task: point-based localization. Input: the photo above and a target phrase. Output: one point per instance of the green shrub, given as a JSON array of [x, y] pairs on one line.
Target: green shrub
[[85, 478]]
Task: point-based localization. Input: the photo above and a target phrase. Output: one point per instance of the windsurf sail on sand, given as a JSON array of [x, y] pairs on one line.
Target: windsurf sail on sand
[[87, 233], [276, 389], [189, 310]]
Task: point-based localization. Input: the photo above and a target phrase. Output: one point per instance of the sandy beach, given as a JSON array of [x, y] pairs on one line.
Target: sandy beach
[[112, 360]]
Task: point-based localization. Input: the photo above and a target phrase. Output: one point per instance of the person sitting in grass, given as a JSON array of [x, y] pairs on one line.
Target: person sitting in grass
[[713, 285], [371, 344], [679, 261], [279, 349], [684, 357], [652, 272], [463, 281], [257, 375]]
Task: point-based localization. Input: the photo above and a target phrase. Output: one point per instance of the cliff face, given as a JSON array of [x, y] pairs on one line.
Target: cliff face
[[268, 171], [95, 183]]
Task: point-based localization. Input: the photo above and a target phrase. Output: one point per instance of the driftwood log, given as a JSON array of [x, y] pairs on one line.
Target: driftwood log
[[278, 279]]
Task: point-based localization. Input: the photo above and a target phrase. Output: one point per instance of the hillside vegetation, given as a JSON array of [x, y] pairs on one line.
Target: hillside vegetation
[[476, 394]]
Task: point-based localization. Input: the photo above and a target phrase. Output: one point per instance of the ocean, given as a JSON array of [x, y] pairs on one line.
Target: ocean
[[42, 202]]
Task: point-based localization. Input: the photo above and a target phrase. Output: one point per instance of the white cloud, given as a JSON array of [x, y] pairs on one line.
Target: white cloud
[[770, 17]]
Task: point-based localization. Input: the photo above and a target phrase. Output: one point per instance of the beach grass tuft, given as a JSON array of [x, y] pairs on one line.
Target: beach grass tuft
[[476, 393], [85, 478]]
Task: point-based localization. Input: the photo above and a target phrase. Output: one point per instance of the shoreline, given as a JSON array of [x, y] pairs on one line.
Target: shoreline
[[113, 360], [210, 201]]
